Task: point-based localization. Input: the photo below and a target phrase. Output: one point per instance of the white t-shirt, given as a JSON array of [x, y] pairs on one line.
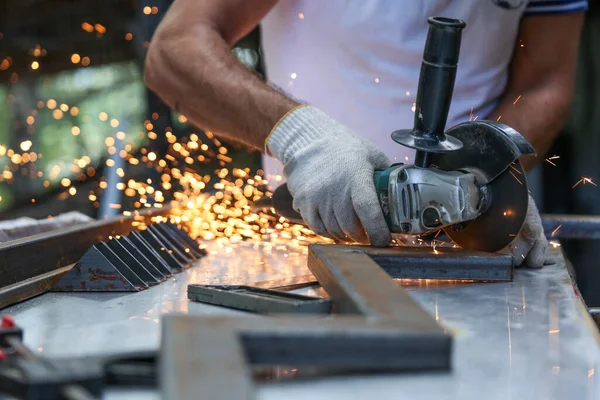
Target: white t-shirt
[[359, 60]]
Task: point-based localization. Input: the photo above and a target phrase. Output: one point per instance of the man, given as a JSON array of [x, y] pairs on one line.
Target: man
[[357, 62]]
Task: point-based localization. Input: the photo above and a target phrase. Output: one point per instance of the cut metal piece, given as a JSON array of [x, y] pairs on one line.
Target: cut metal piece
[[162, 249], [184, 258], [30, 266], [132, 263], [176, 241], [183, 235], [156, 260], [141, 258], [257, 300], [100, 270]]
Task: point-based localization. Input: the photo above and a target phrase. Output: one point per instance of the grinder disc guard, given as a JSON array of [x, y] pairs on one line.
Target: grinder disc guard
[[498, 226], [491, 150]]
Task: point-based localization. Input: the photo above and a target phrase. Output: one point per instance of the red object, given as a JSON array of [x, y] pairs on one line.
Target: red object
[[7, 322], [3, 355]]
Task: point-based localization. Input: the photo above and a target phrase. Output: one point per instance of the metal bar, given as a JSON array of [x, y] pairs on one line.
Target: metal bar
[[258, 300], [445, 263], [562, 226], [210, 355], [29, 266]]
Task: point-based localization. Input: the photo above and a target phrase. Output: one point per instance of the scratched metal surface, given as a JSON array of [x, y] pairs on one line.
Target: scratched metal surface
[[527, 339]]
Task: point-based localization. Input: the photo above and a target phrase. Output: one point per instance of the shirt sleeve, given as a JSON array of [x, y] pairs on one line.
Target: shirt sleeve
[[543, 7]]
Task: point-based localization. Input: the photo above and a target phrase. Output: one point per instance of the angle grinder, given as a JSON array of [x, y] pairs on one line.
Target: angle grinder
[[467, 180]]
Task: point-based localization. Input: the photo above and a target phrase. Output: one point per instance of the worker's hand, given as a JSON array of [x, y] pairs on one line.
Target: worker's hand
[[530, 246], [329, 170]]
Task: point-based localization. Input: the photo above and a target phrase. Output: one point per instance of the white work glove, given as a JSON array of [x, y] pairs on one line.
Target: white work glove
[[329, 171], [530, 246]]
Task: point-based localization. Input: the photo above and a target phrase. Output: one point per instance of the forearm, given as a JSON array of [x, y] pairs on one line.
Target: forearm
[[538, 113], [195, 73]]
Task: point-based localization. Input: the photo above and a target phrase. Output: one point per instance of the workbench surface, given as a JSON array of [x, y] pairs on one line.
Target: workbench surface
[[527, 339]]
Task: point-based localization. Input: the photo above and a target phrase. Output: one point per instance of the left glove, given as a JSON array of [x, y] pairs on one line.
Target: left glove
[[530, 246], [329, 171]]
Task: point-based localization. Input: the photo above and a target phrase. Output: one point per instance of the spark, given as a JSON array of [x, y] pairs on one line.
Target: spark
[[499, 117], [515, 102], [376, 80], [35, 65], [549, 160], [293, 75], [26, 145], [300, 15], [515, 169], [584, 180], [554, 244], [514, 176], [75, 58], [554, 232]]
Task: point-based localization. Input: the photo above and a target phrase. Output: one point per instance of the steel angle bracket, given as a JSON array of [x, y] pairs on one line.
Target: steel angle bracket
[[258, 300]]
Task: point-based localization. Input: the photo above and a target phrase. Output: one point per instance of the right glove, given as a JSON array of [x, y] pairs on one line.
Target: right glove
[[530, 246], [329, 171]]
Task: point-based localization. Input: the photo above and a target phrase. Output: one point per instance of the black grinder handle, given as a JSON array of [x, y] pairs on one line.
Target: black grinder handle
[[436, 80]]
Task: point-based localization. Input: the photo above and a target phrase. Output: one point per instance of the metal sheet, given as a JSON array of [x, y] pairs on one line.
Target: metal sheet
[[528, 338]]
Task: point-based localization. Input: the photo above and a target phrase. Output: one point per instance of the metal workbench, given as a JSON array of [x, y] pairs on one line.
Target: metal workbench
[[528, 339]]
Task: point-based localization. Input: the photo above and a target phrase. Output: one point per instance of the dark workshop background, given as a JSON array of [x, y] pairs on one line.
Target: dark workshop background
[[89, 54]]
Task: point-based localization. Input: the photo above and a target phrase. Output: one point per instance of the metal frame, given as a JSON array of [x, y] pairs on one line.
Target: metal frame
[[380, 327], [31, 266]]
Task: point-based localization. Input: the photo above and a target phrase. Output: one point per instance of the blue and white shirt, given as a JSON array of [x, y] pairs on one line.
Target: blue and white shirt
[[359, 60]]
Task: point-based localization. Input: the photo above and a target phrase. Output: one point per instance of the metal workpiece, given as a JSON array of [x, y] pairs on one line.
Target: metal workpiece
[[100, 269], [377, 326], [424, 262], [124, 264], [253, 299], [32, 265], [559, 226], [213, 355]]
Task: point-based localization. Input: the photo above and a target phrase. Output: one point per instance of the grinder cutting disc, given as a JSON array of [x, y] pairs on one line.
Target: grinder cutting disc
[[497, 227]]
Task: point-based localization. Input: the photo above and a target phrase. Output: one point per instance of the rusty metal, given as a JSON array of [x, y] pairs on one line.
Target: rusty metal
[[120, 264], [30, 266]]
